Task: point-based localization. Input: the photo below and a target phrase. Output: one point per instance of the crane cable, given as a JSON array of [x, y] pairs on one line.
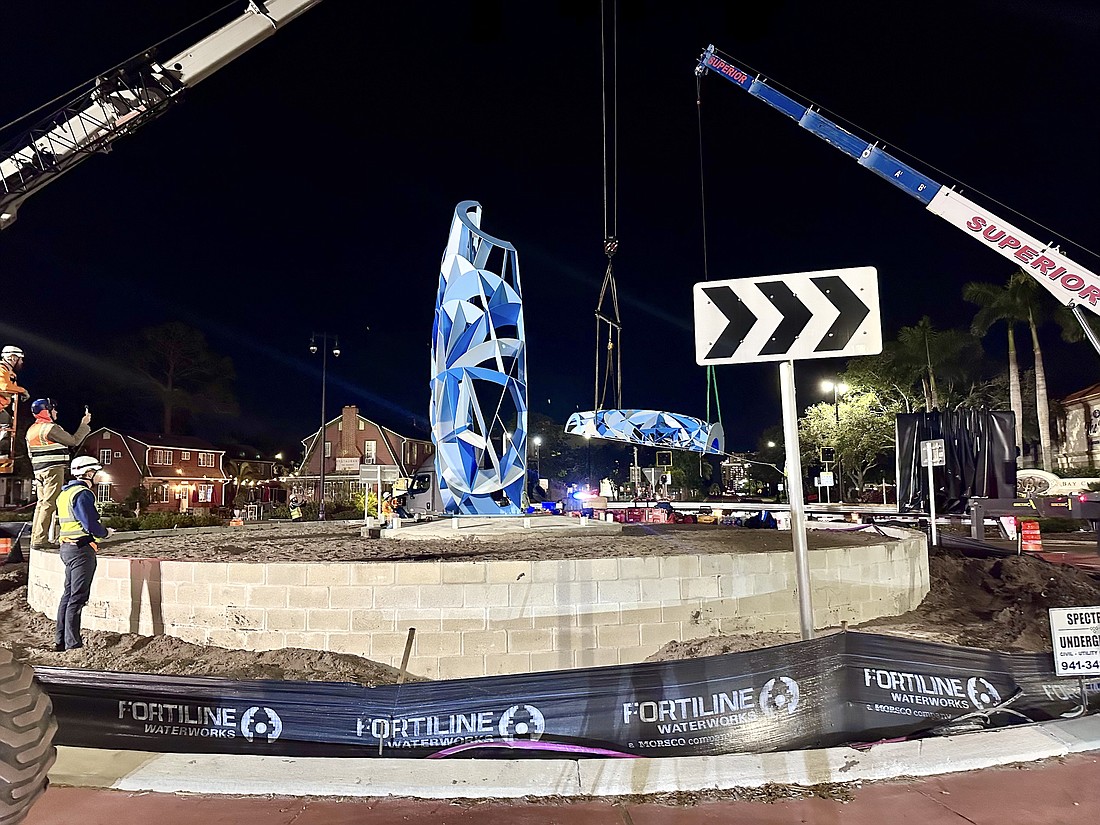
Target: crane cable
[[712, 377], [612, 369]]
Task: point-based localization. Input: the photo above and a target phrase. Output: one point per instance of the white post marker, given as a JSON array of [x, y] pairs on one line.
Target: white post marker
[[932, 454], [798, 507]]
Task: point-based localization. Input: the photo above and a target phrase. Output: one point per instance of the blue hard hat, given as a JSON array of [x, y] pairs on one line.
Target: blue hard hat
[[42, 404]]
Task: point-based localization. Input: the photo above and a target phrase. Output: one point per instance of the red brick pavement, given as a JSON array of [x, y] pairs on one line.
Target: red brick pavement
[[1063, 791]]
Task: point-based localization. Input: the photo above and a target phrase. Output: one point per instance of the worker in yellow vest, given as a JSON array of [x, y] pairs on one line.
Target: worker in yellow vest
[[48, 447], [80, 528]]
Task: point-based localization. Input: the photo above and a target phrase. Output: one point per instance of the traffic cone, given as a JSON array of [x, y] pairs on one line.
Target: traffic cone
[[1030, 539]]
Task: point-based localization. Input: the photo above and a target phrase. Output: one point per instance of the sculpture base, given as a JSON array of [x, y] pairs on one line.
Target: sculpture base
[[501, 527]]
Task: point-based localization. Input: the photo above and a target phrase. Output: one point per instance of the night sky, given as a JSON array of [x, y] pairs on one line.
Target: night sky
[[309, 186]]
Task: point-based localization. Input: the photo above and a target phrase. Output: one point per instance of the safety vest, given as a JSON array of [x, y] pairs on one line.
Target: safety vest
[[45, 453], [71, 528], [8, 385]]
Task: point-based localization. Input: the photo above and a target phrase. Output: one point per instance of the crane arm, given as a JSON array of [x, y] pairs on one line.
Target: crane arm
[[120, 102], [1070, 283]]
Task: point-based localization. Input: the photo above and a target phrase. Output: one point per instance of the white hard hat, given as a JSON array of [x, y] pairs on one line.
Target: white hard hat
[[10, 350], [83, 464]]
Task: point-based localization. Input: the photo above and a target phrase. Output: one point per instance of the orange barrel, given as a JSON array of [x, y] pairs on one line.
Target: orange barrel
[[1030, 539]]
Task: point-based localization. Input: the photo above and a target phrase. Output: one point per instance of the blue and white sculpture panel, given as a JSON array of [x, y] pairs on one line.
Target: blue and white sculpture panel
[[650, 428], [479, 373]]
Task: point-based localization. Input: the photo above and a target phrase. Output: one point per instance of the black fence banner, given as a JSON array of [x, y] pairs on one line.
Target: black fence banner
[[840, 689], [980, 454]]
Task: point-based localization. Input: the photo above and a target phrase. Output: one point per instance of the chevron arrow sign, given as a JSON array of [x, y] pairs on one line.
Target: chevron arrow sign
[[827, 314]]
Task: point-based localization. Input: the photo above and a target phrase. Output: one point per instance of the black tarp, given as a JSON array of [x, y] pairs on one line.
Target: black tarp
[[980, 451], [843, 688]]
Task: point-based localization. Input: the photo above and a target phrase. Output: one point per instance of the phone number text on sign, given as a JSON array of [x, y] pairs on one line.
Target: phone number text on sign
[[1075, 636]]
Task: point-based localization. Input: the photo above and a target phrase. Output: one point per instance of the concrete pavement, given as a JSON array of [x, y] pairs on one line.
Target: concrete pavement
[[1061, 790], [969, 780]]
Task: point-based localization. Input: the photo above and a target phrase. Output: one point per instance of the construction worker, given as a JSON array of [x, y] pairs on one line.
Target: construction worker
[[80, 527], [11, 361], [48, 446], [295, 509]]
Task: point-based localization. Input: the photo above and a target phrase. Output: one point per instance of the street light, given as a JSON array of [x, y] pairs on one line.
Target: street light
[[537, 441], [837, 388], [324, 338]]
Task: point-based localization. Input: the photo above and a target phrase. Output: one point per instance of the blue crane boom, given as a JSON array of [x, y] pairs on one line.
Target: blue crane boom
[[1070, 283]]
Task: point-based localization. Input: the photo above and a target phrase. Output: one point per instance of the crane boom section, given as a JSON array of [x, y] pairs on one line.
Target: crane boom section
[[258, 23], [118, 103], [1069, 282]]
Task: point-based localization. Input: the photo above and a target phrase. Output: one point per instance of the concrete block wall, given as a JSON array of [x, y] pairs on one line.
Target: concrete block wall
[[485, 618]]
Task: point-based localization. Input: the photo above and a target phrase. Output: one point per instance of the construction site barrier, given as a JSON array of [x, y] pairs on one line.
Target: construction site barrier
[[840, 689]]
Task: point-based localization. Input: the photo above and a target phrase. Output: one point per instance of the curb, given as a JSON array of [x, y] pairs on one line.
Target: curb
[[136, 771]]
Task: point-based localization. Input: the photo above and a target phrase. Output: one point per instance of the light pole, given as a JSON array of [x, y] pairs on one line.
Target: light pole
[[537, 441], [588, 475], [324, 337], [838, 389]]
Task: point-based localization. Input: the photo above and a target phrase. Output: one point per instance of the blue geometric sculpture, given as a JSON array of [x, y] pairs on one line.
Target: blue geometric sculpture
[[650, 428], [479, 373]]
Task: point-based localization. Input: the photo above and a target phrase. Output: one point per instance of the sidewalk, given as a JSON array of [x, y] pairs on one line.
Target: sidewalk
[[977, 777], [1061, 790]]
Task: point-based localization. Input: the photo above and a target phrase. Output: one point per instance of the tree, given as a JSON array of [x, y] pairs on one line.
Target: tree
[[176, 368], [1021, 300], [945, 368], [864, 438], [1001, 304], [137, 499], [938, 361]]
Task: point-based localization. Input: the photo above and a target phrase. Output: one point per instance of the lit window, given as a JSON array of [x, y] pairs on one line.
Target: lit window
[[328, 449]]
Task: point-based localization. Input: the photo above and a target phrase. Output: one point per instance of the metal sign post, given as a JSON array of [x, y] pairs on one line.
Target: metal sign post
[[829, 314], [798, 507], [932, 454]]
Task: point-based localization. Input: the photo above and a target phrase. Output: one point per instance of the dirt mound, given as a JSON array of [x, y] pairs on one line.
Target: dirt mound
[[1000, 604], [996, 604], [30, 637]]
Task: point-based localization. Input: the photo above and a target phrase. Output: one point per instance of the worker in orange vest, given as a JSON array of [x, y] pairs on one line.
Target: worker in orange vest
[[48, 446], [11, 361]]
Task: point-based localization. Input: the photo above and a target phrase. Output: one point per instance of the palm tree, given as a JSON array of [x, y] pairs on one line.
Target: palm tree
[[1001, 304], [1022, 301], [934, 359]]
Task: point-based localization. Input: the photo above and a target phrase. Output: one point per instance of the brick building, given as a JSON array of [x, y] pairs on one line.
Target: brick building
[[1077, 436], [351, 441], [252, 478], [179, 472]]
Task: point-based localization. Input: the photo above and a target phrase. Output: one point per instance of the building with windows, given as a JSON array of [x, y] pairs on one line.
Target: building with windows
[[252, 477], [351, 441], [178, 472], [1076, 434]]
